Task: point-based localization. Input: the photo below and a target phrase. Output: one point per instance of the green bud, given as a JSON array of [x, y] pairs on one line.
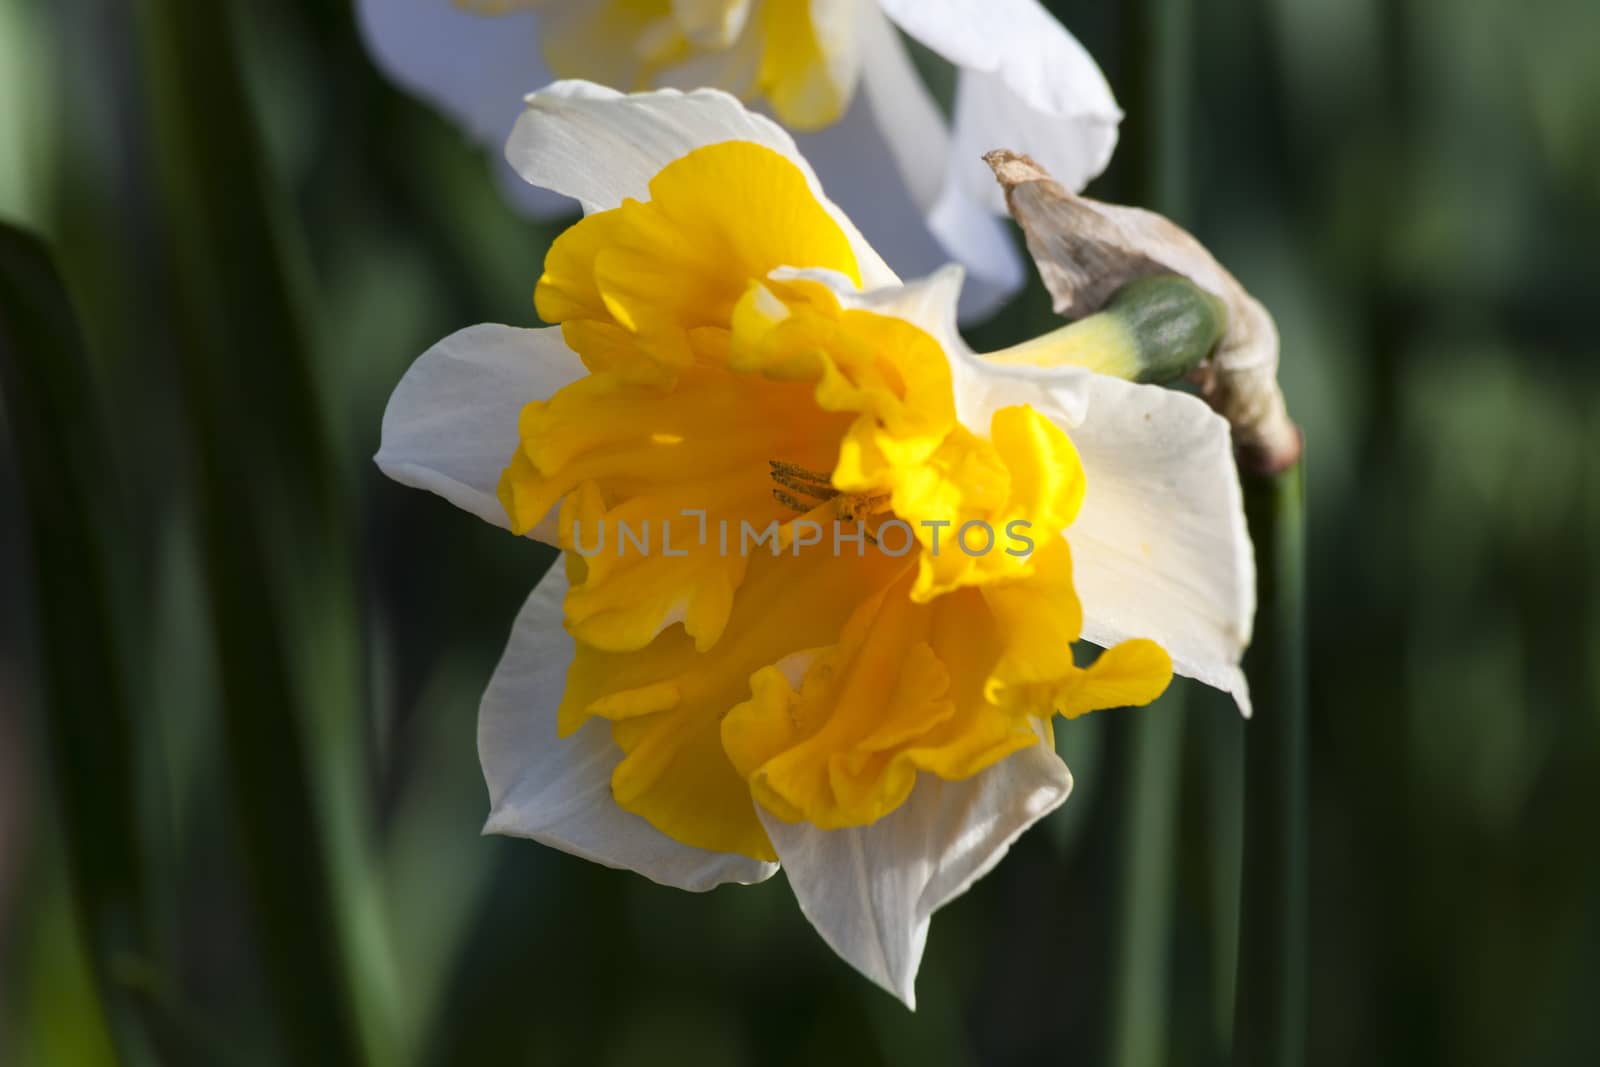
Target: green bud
[[1153, 330], [1174, 322]]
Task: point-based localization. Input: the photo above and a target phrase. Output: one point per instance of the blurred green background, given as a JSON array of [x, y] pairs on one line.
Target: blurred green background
[[246, 713]]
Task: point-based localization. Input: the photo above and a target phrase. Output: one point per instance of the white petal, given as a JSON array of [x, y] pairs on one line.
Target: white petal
[[558, 792], [1026, 84], [914, 129], [874, 164], [600, 146], [871, 891], [530, 200], [989, 115], [1160, 549], [475, 69], [969, 234], [451, 424]]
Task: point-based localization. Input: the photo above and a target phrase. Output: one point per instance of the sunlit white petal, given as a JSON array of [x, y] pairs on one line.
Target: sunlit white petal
[[989, 115], [870, 891], [558, 792], [451, 423], [1026, 84], [1160, 549]]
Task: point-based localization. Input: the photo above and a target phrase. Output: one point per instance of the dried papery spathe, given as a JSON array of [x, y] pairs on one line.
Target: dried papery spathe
[[1086, 250]]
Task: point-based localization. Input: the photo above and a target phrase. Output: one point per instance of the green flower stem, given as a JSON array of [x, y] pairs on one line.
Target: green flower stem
[[1222, 754], [1148, 883], [1270, 1010], [73, 512], [275, 543]]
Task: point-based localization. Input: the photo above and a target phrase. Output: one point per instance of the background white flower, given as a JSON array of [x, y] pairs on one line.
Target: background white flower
[[913, 179]]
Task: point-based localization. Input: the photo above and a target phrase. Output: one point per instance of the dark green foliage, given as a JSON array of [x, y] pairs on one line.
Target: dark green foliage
[[257, 664]]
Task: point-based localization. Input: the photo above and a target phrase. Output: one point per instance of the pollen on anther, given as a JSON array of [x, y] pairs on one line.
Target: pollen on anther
[[800, 489], [790, 502]]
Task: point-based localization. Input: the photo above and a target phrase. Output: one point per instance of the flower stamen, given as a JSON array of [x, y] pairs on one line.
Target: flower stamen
[[801, 490], [802, 481]]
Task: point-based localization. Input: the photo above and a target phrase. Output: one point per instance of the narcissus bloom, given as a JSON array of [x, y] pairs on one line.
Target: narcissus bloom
[[835, 71], [824, 567]]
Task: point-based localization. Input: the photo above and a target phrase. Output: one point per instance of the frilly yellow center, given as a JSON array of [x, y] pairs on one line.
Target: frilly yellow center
[[818, 678], [800, 55]]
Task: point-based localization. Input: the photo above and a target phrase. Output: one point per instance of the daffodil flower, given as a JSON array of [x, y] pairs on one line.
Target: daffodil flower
[[835, 71], [865, 693]]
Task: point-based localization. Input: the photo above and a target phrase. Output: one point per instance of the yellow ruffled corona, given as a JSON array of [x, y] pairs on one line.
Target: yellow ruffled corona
[[794, 574]]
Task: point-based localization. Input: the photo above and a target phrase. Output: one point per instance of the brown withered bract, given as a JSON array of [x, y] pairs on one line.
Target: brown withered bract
[[1086, 250]]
